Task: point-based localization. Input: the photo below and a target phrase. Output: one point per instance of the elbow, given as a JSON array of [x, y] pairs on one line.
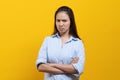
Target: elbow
[[40, 67], [81, 72]]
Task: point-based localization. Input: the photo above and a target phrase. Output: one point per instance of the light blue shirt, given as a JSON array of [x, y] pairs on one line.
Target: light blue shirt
[[52, 51]]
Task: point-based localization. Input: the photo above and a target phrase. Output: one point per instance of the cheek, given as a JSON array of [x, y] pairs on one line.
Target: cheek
[[68, 25]]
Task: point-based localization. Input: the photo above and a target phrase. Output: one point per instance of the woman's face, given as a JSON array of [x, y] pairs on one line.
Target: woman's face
[[62, 22]]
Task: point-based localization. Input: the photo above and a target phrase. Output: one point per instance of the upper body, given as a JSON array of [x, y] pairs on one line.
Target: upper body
[[61, 55], [53, 52]]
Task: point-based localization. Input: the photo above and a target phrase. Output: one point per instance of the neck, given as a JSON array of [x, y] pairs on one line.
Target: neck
[[65, 35]]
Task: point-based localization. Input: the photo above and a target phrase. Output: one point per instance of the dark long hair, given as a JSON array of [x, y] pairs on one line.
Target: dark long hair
[[73, 30]]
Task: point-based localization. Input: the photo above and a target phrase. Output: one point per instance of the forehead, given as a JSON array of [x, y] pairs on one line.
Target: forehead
[[62, 15]]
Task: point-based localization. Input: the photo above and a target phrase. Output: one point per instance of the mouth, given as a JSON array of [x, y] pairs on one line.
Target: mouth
[[61, 29]]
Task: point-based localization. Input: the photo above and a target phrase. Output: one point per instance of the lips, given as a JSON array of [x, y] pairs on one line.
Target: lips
[[61, 29]]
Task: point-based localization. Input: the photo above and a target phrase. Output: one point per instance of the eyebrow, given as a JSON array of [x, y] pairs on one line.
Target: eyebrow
[[61, 19]]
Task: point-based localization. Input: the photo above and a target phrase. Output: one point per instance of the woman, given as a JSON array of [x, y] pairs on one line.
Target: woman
[[61, 56]]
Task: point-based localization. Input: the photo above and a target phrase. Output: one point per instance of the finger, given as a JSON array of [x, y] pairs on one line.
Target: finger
[[76, 58]]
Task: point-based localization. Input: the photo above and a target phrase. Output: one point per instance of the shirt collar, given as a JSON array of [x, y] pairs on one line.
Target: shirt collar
[[71, 38], [56, 35]]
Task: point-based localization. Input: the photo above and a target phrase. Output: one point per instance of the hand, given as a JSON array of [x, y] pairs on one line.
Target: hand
[[75, 60]]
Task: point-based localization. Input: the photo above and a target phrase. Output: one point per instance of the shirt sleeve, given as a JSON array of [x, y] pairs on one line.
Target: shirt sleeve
[[42, 55], [79, 66]]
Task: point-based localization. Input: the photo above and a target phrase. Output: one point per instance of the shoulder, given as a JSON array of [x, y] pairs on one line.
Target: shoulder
[[79, 42], [47, 38]]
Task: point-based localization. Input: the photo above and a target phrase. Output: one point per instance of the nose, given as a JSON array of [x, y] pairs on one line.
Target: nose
[[61, 23]]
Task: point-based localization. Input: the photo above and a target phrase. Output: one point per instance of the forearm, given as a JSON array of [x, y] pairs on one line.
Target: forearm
[[69, 69], [49, 69]]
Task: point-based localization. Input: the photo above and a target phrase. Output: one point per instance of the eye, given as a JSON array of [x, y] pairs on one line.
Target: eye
[[57, 20], [64, 20]]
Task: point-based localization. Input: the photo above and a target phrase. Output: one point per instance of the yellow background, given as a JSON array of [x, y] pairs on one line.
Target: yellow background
[[25, 23]]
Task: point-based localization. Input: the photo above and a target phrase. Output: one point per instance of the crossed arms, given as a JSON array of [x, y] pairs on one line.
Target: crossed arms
[[58, 68]]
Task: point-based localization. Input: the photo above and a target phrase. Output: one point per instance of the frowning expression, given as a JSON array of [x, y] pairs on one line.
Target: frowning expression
[[62, 22]]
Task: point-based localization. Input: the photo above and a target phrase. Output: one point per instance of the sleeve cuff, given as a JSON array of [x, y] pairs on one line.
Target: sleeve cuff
[[78, 69], [40, 61]]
